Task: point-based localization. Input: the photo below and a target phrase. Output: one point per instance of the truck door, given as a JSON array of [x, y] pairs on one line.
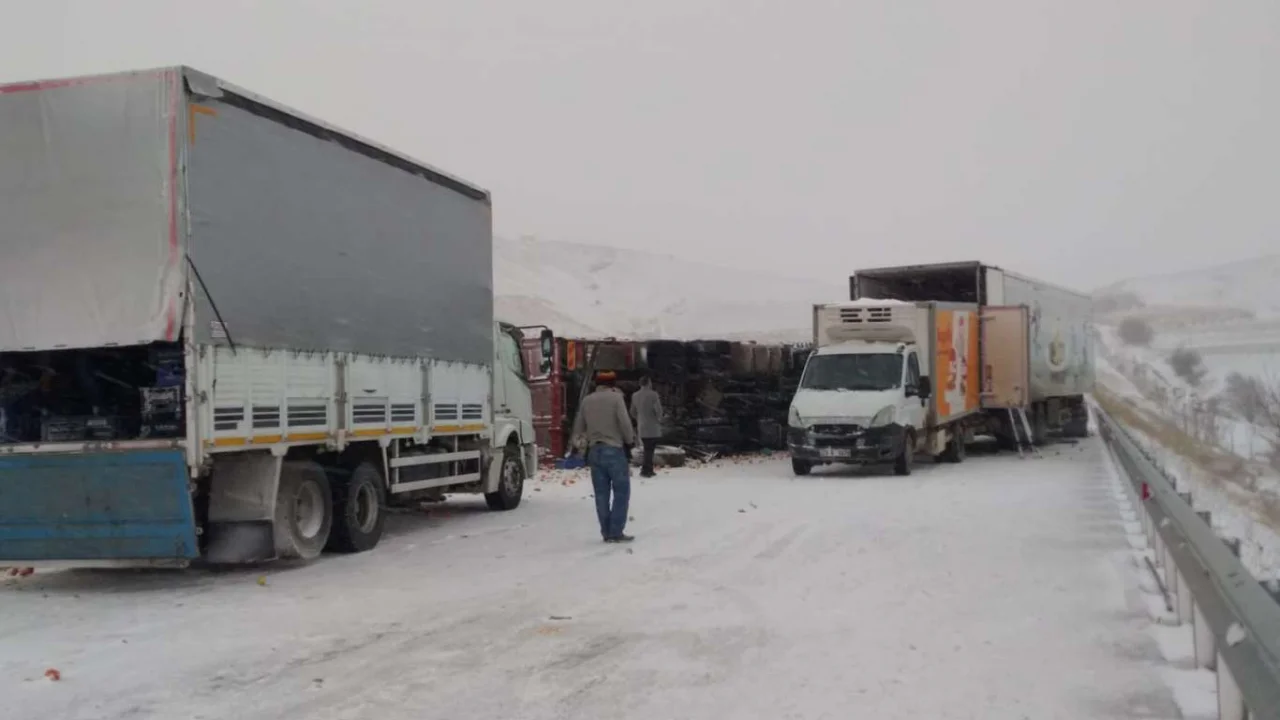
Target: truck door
[[1006, 357], [914, 409]]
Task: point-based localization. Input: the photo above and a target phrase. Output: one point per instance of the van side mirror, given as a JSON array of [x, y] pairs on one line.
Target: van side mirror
[[926, 388]]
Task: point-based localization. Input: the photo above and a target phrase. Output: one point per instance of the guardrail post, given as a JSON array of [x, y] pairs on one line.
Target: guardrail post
[[1230, 701], [1206, 650], [1183, 603]]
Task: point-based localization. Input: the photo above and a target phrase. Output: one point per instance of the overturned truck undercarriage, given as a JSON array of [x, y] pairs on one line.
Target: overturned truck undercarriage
[[718, 397]]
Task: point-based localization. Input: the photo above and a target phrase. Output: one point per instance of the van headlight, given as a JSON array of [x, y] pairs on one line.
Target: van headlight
[[888, 415], [794, 419]]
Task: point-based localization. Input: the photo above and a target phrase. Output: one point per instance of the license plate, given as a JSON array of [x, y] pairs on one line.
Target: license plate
[[834, 452]]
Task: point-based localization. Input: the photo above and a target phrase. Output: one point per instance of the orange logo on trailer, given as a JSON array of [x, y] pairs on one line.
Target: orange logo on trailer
[[944, 356], [956, 338]]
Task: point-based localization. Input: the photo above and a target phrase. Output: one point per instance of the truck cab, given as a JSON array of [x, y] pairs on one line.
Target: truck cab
[[863, 398]]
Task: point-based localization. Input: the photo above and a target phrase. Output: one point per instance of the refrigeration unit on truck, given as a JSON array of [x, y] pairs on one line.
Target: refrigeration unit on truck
[[1025, 322], [231, 331], [887, 379]]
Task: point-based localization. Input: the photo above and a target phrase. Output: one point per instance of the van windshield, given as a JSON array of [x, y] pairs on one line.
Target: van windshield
[[881, 371]]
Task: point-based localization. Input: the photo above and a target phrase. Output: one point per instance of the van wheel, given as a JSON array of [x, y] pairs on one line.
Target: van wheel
[[801, 467], [304, 511], [902, 466], [511, 484], [358, 516], [954, 452]]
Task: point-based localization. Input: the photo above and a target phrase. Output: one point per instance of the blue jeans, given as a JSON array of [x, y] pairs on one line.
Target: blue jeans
[[610, 471]]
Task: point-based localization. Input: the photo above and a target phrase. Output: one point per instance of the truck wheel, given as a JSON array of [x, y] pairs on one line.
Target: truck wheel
[[510, 485], [304, 511], [801, 467], [902, 466], [358, 516], [1040, 426], [954, 452], [1078, 425]]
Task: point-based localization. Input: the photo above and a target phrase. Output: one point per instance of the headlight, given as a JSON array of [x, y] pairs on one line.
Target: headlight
[[887, 416], [793, 418]]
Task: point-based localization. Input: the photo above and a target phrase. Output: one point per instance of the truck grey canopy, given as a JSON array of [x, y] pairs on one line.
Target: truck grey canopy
[[90, 252], [302, 236]]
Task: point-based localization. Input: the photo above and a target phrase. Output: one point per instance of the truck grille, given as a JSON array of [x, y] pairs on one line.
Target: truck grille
[[841, 430]]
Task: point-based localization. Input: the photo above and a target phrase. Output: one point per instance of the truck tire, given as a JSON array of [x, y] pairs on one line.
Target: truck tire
[[304, 511], [1040, 425], [902, 465], [1078, 425], [510, 484], [358, 511], [955, 450], [801, 467]]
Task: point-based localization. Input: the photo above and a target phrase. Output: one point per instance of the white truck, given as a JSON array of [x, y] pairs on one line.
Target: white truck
[[234, 332], [925, 357], [886, 379]]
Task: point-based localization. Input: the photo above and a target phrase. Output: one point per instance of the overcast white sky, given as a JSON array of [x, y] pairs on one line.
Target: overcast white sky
[[1076, 140]]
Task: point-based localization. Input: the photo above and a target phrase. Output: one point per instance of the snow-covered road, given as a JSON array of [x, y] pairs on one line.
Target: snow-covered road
[[1001, 588]]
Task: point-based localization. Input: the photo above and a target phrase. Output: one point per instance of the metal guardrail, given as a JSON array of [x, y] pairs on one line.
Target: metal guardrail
[[1236, 622]]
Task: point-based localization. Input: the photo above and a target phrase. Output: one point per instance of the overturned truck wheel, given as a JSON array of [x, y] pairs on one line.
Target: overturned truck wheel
[[303, 516], [358, 511]]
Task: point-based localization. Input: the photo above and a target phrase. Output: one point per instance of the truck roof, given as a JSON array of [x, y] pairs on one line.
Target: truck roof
[[207, 85], [958, 266]]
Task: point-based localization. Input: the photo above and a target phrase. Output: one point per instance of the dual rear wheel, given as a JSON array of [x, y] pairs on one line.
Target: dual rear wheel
[[315, 512]]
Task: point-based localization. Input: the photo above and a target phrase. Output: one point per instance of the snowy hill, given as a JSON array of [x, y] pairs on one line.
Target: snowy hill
[[594, 291], [1251, 285]]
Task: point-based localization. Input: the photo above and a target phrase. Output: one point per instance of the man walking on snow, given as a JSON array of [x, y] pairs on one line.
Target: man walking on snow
[[604, 425], [646, 408]]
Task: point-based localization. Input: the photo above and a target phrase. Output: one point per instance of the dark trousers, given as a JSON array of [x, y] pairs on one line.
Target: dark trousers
[[610, 474], [650, 445]]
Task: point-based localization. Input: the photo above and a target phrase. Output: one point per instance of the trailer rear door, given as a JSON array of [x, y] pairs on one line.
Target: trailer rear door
[[1006, 357]]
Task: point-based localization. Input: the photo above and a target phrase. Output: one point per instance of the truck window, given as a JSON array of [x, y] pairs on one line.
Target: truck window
[[913, 371], [879, 371], [511, 356]]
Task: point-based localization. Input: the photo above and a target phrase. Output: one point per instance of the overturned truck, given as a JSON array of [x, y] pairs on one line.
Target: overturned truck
[[718, 397]]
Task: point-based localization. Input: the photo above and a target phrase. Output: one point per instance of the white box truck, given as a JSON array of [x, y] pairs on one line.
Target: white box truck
[[231, 331], [925, 357], [886, 380]]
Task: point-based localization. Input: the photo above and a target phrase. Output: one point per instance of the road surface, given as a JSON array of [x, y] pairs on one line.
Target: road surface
[[1001, 588]]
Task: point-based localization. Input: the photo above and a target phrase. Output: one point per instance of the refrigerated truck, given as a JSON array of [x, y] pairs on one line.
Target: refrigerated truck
[[1058, 357], [886, 380], [234, 332]]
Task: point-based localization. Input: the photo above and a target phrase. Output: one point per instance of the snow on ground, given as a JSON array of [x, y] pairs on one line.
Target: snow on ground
[[1001, 588], [590, 290]]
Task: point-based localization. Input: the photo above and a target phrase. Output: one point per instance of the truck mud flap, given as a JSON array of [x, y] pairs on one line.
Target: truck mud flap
[[97, 506]]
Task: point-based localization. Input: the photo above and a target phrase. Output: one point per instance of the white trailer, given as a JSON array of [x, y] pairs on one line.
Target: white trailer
[[1051, 382], [235, 332]]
